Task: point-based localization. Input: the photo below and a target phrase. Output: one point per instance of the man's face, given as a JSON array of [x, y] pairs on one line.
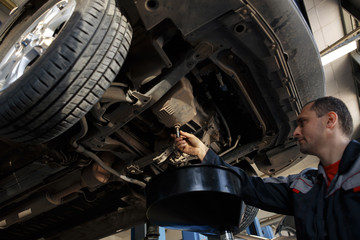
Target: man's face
[[310, 131]]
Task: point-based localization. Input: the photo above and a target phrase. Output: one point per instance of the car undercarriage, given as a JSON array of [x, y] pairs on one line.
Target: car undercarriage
[[234, 73]]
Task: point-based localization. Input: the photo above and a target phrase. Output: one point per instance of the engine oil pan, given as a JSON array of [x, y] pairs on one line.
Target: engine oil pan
[[199, 198]]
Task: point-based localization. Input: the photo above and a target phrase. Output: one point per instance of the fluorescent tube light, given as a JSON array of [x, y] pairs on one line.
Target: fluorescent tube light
[[332, 56]]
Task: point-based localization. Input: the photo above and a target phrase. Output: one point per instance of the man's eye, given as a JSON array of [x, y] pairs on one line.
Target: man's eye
[[300, 123]]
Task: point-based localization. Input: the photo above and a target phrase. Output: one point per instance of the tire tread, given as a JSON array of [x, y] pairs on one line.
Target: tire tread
[[57, 103]]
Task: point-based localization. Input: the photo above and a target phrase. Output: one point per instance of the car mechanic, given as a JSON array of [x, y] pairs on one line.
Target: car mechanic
[[325, 202]]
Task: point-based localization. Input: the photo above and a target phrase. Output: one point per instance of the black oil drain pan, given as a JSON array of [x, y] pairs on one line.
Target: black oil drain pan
[[199, 198]]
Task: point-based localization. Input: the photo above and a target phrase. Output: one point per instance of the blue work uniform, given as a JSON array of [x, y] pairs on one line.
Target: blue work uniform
[[320, 211]]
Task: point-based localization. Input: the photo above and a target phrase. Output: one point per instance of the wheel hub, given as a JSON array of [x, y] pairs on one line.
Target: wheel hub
[[34, 42]]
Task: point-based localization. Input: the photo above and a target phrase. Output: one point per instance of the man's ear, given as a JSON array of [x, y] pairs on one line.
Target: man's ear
[[332, 119]]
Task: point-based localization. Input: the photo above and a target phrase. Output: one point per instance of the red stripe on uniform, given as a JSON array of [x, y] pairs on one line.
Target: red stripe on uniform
[[357, 189], [297, 191]]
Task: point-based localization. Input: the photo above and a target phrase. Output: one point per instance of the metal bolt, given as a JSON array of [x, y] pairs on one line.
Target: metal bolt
[[177, 128], [61, 5], [26, 41], [189, 64], [285, 80]]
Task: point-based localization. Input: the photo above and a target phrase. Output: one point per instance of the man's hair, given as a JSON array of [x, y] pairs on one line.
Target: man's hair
[[331, 104]]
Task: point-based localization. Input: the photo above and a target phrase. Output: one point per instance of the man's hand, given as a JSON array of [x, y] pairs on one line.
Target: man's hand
[[191, 145]]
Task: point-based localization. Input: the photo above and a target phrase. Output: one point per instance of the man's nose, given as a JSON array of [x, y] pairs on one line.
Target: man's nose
[[296, 132]]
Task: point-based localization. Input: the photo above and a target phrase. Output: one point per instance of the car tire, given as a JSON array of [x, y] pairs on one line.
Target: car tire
[[248, 216], [248, 212], [52, 91]]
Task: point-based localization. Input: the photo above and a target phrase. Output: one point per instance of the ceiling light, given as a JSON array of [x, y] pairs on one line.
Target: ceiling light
[[333, 55]]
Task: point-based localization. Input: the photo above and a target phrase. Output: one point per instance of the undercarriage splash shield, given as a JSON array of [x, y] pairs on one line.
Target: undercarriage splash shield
[[198, 198]]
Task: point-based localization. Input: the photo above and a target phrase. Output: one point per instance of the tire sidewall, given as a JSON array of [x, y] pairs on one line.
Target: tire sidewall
[[15, 33]]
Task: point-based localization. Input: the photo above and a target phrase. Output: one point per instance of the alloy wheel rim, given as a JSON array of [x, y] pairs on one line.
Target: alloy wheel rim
[[34, 42]]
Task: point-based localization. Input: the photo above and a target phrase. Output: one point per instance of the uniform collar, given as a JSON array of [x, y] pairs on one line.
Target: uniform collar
[[351, 153]]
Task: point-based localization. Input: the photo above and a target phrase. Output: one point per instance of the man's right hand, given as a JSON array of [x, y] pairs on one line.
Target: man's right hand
[[190, 144]]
